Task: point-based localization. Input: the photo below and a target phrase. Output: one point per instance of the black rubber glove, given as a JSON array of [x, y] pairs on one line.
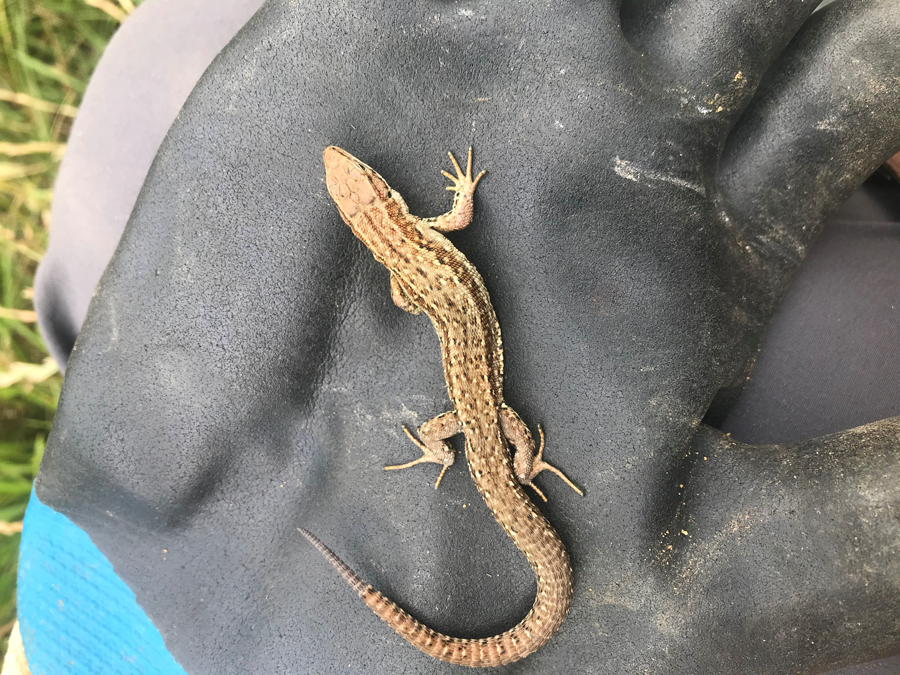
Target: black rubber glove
[[243, 371]]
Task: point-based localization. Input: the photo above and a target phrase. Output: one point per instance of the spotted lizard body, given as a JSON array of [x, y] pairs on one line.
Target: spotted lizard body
[[428, 274]]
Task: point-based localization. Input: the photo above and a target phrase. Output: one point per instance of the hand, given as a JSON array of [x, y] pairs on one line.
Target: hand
[[244, 372]]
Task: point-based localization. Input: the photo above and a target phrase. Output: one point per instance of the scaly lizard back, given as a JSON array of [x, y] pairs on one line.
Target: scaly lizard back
[[428, 274]]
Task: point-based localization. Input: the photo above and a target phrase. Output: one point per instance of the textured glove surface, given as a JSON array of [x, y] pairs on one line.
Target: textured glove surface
[[243, 371]]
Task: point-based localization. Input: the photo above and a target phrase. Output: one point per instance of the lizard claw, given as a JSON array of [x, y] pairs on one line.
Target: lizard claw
[[539, 465], [462, 181], [535, 488], [426, 458]]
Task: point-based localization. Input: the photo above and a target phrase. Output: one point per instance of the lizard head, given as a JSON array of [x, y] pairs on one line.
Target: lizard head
[[354, 185], [350, 183], [366, 203]]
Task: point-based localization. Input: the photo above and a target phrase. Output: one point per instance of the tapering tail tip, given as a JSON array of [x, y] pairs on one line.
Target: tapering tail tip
[[528, 635], [342, 568]]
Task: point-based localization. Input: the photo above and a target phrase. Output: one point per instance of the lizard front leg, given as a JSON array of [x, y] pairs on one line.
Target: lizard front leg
[[398, 295], [464, 185]]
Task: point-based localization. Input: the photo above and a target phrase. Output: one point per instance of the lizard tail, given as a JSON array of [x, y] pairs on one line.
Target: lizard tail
[[343, 569], [498, 650]]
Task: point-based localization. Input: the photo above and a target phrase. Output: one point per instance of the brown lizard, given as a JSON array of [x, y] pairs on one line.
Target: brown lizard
[[428, 274]]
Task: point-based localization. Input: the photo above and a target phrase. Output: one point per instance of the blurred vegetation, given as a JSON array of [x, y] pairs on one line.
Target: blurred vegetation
[[49, 49]]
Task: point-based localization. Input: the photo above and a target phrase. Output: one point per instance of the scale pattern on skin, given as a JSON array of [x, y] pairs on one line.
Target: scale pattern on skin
[[428, 274]]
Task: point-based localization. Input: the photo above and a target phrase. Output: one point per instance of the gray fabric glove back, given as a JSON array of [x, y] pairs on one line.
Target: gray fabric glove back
[[243, 371]]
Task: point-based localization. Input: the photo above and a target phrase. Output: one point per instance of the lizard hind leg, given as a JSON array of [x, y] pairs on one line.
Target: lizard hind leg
[[433, 444], [540, 465], [526, 463]]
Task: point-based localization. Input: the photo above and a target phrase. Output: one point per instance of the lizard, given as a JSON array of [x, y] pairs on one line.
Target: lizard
[[429, 274]]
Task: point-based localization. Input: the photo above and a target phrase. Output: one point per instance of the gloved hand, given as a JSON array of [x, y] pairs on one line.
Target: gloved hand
[[244, 372]]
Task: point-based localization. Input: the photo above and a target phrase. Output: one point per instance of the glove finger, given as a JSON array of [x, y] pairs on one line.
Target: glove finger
[[715, 50], [805, 530], [824, 119]]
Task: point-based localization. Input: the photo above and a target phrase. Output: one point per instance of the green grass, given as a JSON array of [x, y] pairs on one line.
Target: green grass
[[49, 49]]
